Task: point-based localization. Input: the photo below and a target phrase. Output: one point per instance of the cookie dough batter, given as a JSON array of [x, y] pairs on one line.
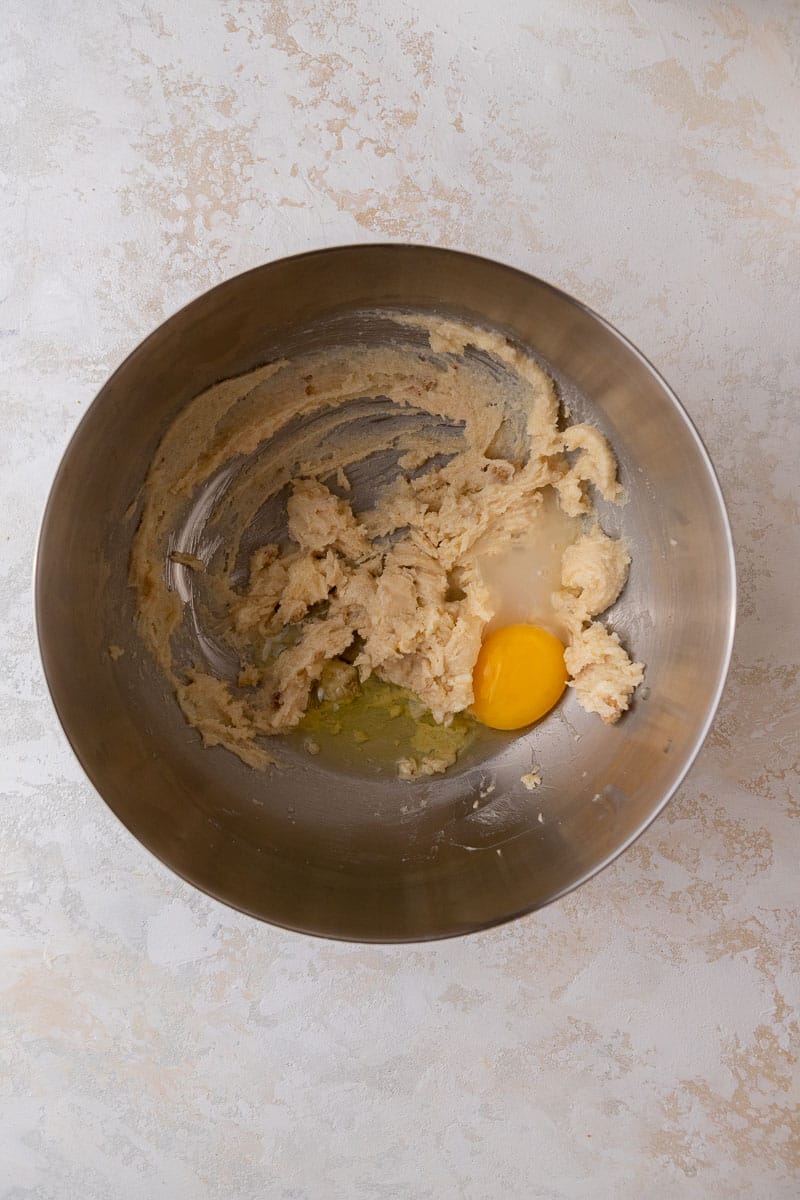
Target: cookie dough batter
[[296, 572]]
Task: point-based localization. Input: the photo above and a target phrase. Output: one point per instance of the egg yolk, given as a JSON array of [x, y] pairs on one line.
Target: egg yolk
[[518, 677]]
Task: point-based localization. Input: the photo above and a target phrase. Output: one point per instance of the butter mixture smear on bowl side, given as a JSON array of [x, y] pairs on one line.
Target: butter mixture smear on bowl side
[[415, 513]]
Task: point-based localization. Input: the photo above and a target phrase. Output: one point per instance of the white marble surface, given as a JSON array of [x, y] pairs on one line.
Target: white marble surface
[[639, 1039]]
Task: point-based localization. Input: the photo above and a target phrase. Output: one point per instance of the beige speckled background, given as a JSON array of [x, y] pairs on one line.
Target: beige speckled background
[[639, 1039]]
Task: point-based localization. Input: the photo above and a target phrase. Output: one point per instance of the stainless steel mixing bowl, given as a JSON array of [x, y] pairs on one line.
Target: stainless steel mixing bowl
[[319, 846]]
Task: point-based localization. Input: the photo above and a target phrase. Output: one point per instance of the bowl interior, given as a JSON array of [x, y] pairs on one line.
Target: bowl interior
[[319, 846]]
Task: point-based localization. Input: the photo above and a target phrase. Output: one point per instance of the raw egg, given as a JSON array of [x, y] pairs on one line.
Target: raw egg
[[521, 576], [519, 676]]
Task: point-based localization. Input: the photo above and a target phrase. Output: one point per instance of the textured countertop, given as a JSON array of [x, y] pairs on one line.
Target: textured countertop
[[638, 1039]]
